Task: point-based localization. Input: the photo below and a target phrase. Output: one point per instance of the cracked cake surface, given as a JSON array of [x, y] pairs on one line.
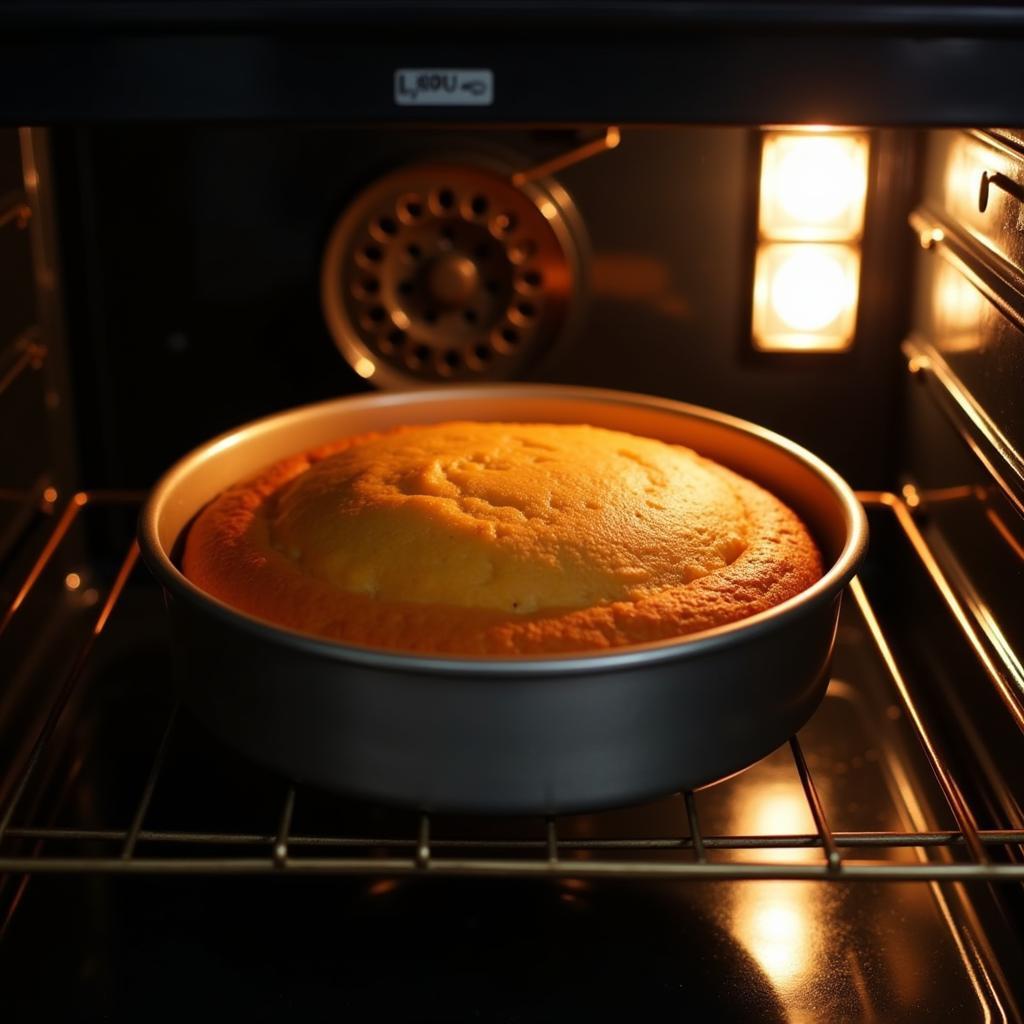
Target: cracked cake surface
[[500, 539]]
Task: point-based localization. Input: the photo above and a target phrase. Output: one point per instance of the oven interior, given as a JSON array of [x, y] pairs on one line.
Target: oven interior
[[166, 282]]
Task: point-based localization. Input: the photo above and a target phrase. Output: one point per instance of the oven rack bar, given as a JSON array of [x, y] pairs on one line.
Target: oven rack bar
[[997, 674], [961, 855], [795, 841], [452, 866]]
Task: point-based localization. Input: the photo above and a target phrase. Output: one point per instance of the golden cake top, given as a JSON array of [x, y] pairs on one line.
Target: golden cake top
[[499, 539], [514, 517]]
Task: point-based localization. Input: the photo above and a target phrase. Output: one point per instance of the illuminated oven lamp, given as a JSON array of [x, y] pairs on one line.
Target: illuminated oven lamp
[[813, 186], [805, 297], [811, 217]]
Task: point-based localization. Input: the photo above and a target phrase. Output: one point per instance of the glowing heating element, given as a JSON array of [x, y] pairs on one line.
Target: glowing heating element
[[810, 221]]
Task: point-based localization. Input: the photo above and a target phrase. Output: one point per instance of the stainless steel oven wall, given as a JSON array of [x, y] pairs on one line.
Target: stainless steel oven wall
[[197, 253], [37, 448], [37, 443], [963, 444], [965, 427], [29, 397]]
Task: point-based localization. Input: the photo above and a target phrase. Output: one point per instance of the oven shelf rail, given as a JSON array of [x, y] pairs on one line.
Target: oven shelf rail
[[965, 854]]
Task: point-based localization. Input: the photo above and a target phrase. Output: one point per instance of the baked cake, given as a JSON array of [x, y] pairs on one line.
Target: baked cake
[[500, 539]]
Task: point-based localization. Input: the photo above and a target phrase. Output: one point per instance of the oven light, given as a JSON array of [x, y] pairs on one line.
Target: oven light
[[805, 297], [813, 186], [811, 289], [813, 191]]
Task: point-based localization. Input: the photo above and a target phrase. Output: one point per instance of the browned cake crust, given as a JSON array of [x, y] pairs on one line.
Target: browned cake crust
[[500, 539]]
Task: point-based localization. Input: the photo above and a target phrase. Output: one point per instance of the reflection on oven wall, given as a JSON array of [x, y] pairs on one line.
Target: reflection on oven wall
[[195, 303], [35, 460]]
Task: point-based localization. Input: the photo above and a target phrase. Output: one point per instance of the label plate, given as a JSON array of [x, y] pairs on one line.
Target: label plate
[[444, 87]]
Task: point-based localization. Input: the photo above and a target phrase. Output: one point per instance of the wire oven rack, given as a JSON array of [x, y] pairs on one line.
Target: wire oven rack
[[966, 853]]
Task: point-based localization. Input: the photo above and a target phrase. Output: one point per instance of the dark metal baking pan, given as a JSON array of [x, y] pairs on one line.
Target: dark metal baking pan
[[516, 735]]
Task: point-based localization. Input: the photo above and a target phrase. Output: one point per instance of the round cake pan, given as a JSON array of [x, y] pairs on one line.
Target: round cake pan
[[507, 735]]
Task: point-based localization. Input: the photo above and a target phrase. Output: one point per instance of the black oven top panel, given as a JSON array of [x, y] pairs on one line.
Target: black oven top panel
[[885, 13], [561, 62]]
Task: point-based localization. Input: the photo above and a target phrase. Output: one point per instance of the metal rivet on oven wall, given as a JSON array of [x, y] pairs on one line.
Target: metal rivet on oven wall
[[448, 271]]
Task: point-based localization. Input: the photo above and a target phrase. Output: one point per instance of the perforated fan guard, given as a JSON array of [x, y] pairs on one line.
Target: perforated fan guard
[[447, 271]]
